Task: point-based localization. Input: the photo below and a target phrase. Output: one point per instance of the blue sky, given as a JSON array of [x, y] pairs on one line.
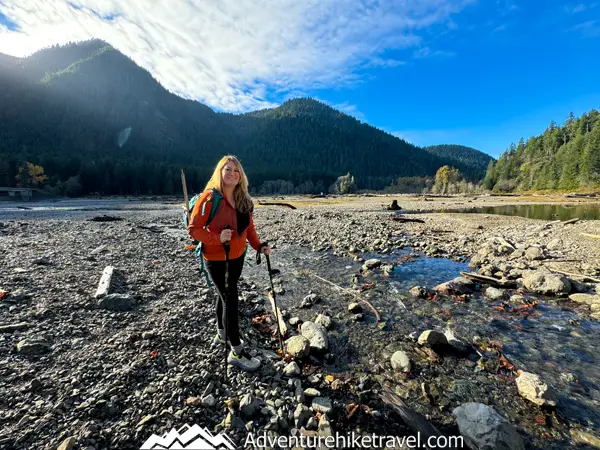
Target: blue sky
[[481, 73]]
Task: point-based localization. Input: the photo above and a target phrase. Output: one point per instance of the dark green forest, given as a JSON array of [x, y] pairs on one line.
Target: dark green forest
[[475, 162], [98, 123], [563, 157]]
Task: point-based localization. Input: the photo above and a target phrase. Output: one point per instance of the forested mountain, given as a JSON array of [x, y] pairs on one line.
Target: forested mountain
[[563, 157], [7, 60], [97, 122], [475, 162]]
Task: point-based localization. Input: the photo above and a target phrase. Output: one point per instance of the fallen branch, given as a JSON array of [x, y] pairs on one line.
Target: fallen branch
[[276, 204], [348, 291], [569, 222], [596, 236], [364, 302], [488, 280], [576, 275], [278, 315], [405, 219], [413, 419]]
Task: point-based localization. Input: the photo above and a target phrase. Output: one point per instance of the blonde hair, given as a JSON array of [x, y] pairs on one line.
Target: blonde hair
[[242, 199]]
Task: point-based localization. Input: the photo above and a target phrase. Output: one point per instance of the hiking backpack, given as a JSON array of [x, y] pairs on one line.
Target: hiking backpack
[[215, 199]]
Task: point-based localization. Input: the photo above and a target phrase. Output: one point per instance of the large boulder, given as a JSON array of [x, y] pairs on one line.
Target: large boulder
[[484, 429], [316, 334], [546, 283], [535, 390]]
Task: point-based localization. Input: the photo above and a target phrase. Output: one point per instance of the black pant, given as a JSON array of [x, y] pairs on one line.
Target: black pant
[[216, 272]]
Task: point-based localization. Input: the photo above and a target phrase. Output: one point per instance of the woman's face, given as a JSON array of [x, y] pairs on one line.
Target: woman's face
[[230, 174]]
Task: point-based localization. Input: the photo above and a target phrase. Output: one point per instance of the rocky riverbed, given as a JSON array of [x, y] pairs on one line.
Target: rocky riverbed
[[99, 373]]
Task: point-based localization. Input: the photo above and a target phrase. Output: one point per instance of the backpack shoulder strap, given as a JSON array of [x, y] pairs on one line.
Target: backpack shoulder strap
[[215, 199]]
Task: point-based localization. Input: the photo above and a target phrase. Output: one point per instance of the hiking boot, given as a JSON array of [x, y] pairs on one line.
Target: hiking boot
[[218, 340], [239, 357]]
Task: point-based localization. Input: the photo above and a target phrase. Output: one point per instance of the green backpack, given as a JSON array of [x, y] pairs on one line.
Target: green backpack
[[215, 201]]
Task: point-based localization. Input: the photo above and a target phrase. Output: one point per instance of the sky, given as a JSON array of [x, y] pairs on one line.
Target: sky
[[481, 73]]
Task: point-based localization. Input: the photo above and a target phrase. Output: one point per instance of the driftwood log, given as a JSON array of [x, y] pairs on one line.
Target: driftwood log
[[288, 205], [406, 219], [489, 280], [576, 275], [415, 421], [105, 280]]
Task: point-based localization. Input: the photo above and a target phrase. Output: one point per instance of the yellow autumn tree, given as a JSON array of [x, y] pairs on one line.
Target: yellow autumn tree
[[445, 178], [30, 175]]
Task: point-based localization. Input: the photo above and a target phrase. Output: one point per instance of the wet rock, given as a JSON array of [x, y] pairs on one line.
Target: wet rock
[[316, 334], [419, 292], [117, 302], [535, 390], [355, 308], [432, 337], [495, 294], [309, 300], [400, 361], [33, 346], [456, 343], [371, 264], [582, 437], [546, 284], [484, 429], [292, 369], [578, 286], [297, 347], [587, 299], [321, 404], [518, 299], [453, 288]]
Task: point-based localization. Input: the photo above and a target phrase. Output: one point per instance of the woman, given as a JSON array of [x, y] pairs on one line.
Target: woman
[[232, 223]]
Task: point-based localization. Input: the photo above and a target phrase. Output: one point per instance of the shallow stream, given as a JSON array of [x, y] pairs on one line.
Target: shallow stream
[[556, 342]]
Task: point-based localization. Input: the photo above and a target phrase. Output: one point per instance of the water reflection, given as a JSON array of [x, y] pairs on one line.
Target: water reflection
[[540, 212]]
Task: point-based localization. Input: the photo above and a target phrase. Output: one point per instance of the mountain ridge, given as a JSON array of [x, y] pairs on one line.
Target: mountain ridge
[[74, 100]]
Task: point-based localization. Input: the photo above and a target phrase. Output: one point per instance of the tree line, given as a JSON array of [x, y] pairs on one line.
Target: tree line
[[563, 157]]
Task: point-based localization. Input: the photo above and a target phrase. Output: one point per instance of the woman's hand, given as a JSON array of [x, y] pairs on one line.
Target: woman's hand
[[226, 235], [266, 250]]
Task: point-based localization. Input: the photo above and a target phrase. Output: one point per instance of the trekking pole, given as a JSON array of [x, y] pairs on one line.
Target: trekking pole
[[275, 304], [227, 247]]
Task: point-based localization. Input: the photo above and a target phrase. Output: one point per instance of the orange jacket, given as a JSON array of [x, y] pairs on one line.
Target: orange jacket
[[212, 247]]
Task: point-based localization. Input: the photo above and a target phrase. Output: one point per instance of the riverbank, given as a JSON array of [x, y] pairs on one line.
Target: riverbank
[[110, 378]]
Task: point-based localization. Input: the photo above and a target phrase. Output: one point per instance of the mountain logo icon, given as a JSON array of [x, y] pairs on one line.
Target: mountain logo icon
[[189, 438]]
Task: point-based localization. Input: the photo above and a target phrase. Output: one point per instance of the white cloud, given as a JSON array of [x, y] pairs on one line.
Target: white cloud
[[234, 55], [427, 52]]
